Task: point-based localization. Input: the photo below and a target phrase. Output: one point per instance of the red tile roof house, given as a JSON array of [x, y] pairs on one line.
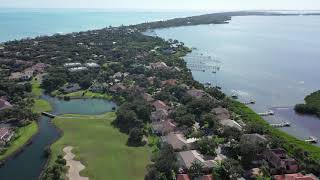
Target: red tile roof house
[[163, 127], [186, 158], [117, 87], [297, 176], [39, 67], [4, 105], [279, 159], [159, 105], [178, 141], [186, 177]]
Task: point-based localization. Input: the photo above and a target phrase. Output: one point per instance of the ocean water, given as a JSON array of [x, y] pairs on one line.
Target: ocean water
[[19, 23], [273, 60]]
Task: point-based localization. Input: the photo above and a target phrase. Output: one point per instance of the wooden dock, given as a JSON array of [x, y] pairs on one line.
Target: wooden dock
[[268, 113], [279, 125], [312, 140], [48, 114]]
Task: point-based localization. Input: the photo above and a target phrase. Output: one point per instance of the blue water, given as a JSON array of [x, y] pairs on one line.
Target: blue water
[[17, 23], [273, 60]]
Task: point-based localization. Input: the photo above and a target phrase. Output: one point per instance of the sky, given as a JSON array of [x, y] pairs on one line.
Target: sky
[[167, 4]]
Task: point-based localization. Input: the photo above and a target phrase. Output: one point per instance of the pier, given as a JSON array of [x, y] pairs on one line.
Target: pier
[[312, 140], [48, 114], [284, 124], [268, 113]]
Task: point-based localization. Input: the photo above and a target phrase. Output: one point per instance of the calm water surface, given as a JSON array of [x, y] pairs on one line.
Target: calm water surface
[[32, 160], [273, 60], [18, 23]]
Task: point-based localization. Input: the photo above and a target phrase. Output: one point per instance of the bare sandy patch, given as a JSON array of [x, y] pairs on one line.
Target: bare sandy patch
[[74, 166]]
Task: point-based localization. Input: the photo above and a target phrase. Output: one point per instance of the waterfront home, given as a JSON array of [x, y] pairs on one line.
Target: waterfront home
[[4, 105], [158, 115], [5, 135], [278, 159], [296, 176], [178, 141], [158, 105], [221, 113], [230, 123], [69, 88], [159, 66], [163, 127], [186, 158], [253, 138], [197, 93]]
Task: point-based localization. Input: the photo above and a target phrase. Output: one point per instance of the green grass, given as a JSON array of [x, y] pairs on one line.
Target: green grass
[[84, 94], [36, 89], [41, 105], [249, 115], [100, 147], [22, 137]]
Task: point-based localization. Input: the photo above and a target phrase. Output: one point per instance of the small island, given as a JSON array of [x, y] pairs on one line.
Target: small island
[[311, 105]]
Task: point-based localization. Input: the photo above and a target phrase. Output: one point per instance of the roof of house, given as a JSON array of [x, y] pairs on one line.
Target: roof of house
[[221, 113], [231, 123], [117, 87], [72, 87], [296, 176], [254, 138], [3, 132], [158, 115], [196, 93], [183, 177], [186, 158], [159, 65], [4, 104], [147, 97], [170, 82], [178, 141], [163, 127], [160, 105]]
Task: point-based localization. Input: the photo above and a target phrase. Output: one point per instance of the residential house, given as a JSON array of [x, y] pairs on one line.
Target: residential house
[[297, 176], [151, 80], [196, 93], [221, 113], [5, 135], [169, 82], [92, 65], [159, 66], [69, 88], [254, 138], [186, 158], [231, 123], [163, 127], [4, 104], [117, 87], [148, 97], [280, 161], [78, 69], [178, 141], [158, 105], [70, 65], [39, 68], [158, 115], [186, 177]]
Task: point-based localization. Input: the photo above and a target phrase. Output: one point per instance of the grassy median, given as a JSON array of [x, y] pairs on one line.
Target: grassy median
[[100, 147]]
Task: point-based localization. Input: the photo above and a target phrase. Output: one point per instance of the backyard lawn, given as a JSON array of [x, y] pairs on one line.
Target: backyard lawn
[[100, 147]]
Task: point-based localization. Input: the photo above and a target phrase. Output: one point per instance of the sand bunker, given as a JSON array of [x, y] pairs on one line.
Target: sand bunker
[[74, 166]]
